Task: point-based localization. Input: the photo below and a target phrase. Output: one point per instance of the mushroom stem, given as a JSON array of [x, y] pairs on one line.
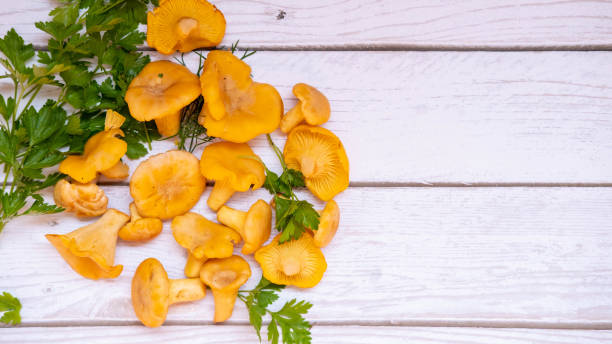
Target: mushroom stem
[[193, 266], [169, 125], [185, 26], [185, 290], [224, 303], [307, 166], [221, 193], [292, 118], [290, 266], [232, 218]]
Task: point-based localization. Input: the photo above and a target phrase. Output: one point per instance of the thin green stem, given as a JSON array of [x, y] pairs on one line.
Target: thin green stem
[[146, 130], [279, 154], [38, 88]]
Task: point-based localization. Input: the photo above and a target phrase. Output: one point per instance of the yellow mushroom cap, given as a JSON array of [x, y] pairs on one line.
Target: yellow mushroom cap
[[140, 228], [226, 162], [320, 156], [225, 276], [82, 199], [102, 151], [297, 262], [90, 250], [161, 89], [235, 108], [204, 238], [184, 25], [150, 289], [113, 120], [328, 225], [312, 107], [167, 184]]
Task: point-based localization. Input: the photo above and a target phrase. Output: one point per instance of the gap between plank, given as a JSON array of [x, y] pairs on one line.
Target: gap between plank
[[540, 325]]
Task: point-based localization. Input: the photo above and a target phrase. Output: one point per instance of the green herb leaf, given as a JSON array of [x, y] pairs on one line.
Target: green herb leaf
[[44, 123], [11, 307], [16, 51], [40, 207]]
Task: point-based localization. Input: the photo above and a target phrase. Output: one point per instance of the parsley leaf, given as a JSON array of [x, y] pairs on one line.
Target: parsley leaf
[[11, 307], [293, 326]]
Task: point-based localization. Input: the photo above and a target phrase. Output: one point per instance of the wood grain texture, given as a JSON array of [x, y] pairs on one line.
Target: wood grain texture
[[321, 335], [447, 117], [386, 24], [462, 256]]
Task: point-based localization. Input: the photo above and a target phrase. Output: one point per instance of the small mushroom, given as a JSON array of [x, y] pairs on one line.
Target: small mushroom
[[140, 228], [203, 239], [102, 152], [297, 262], [113, 120], [321, 158], [227, 164], [118, 171], [224, 277], [159, 92], [90, 250], [235, 108], [328, 224], [254, 226], [184, 25], [312, 108], [153, 292], [193, 265], [82, 199], [167, 184]]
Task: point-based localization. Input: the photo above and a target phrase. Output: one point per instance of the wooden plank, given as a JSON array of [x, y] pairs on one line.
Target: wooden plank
[[511, 257], [449, 117], [377, 24], [321, 334]]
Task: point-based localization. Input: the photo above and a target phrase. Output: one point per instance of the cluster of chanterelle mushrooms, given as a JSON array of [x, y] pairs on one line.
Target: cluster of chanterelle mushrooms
[[167, 185]]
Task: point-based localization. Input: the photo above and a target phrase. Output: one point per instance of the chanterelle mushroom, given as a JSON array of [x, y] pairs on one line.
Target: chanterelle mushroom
[[140, 228], [227, 165], [312, 108], [254, 226], [225, 276], [328, 225], [153, 292], [184, 25], [235, 108], [203, 239], [320, 155], [102, 152], [82, 199], [159, 92], [90, 250], [167, 184], [298, 262]]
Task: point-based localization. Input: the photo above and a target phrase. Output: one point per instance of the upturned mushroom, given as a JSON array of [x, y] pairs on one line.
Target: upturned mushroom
[[81, 199], [228, 165], [153, 292], [328, 224], [235, 107], [297, 262], [320, 156], [254, 226], [140, 228], [114, 120], [224, 277], [184, 25], [159, 92], [167, 184], [90, 250], [203, 239], [102, 152], [312, 108]]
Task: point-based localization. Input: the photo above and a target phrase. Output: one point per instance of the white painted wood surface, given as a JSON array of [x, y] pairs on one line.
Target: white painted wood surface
[[494, 256], [526, 257], [398, 24], [321, 335], [447, 117]]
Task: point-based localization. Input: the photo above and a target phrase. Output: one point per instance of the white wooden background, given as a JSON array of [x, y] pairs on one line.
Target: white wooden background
[[480, 209]]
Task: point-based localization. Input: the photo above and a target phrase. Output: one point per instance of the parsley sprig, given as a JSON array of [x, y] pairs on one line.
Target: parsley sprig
[[10, 306], [290, 318], [293, 215]]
